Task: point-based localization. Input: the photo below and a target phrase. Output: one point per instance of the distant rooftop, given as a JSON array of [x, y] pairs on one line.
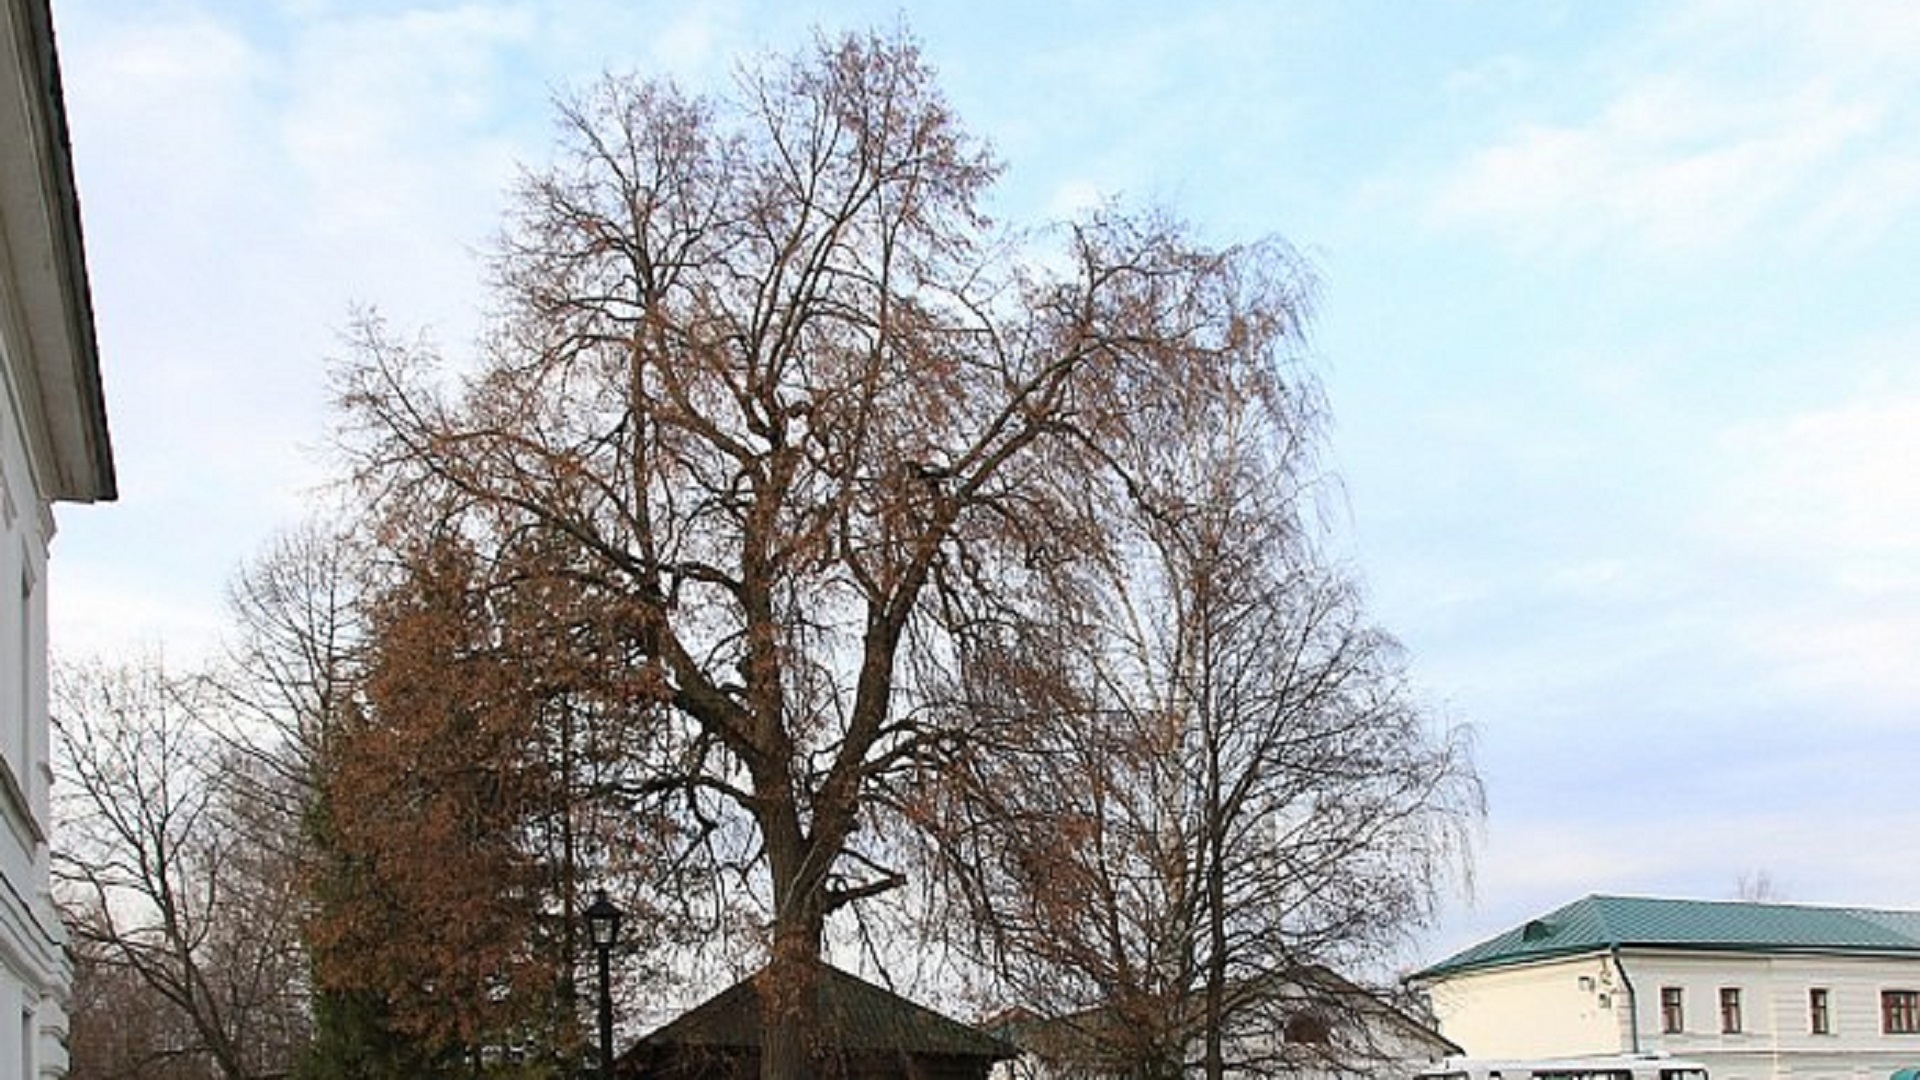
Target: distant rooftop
[[854, 1015], [1604, 922]]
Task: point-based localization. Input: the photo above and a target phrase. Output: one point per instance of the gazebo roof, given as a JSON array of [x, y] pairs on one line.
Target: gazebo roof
[[855, 1015]]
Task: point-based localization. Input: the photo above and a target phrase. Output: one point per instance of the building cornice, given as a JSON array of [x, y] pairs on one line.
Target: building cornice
[[61, 398]]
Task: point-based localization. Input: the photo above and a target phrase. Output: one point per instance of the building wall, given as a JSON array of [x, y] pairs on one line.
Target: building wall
[[54, 446], [1555, 1008], [1777, 1041], [34, 971], [1580, 1006]]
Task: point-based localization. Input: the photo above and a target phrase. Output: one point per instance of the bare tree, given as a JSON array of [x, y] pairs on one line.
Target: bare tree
[[787, 414], [167, 883], [1221, 786], [121, 1028], [189, 841], [292, 666], [1758, 887]]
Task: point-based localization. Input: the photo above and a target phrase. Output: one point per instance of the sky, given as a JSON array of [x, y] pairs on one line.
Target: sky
[[1616, 317]]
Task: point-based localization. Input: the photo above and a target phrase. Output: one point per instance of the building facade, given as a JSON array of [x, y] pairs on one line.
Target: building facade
[[1316, 1027], [53, 448], [1753, 991]]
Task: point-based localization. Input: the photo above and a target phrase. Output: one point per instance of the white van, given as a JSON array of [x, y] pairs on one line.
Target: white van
[[1607, 1067]]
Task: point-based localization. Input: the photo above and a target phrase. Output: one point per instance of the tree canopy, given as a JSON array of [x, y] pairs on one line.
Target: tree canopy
[[798, 528], [805, 433]]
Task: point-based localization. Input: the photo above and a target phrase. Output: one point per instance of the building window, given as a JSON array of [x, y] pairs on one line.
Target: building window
[[1819, 1018], [1730, 1010], [1308, 1027], [1900, 1012], [1673, 1013]]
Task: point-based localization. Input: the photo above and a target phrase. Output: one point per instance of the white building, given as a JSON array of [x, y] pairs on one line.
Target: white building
[[1753, 991], [1319, 1027], [53, 448]]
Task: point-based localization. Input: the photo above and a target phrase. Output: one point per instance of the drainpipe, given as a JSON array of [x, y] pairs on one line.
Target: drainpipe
[[1633, 998]]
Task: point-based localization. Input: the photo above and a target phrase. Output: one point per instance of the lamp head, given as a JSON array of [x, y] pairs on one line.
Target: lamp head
[[603, 920]]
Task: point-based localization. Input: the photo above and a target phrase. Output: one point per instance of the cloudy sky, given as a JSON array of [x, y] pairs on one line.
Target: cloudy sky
[[1619, 318]]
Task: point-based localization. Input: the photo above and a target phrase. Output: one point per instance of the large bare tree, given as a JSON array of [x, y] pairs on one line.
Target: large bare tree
[[799, 426]]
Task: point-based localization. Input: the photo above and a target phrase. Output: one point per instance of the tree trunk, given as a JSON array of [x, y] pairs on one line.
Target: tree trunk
[[789, 991], [1214, 858], [1216, 969]]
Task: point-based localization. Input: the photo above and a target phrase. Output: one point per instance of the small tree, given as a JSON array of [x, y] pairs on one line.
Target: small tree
[[292, 668], [121, 1028], [172, 892], [466, 804]]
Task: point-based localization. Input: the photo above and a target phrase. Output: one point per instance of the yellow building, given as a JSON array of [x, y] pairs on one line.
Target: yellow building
[[1753, 991]]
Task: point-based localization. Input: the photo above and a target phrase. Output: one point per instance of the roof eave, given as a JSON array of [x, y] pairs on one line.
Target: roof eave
[[62, 390], [1446, 970]]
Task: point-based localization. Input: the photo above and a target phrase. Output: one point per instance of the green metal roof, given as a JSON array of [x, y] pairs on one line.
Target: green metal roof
[[1598, 923]]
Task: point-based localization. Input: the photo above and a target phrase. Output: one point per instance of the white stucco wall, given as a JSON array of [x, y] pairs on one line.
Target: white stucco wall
[[1551, 1008], [1778, 1042], [53, 447], [1581, 1006], [34, 972]]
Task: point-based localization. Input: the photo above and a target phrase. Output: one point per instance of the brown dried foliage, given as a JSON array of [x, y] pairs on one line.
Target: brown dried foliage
[[426, 794]]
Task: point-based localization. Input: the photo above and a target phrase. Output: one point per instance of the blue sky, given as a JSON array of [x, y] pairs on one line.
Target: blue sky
[[1617, 320]]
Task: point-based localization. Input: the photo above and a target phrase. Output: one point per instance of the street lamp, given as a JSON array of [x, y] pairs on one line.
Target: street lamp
[[603, 929]]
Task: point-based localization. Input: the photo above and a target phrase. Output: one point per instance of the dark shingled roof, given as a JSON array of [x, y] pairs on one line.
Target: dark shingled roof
[[1605, 922], [855, 1016]]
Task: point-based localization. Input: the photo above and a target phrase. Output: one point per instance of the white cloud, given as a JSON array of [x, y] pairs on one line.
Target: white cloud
[[1724, 127], [176, 101], [1822, 509], [397, 130], [375, 100], [244, 183], [104, 611], [1664, 165], [1836, 487], [1598, 844], [1075, 198], [1500, 74], [248, 174]]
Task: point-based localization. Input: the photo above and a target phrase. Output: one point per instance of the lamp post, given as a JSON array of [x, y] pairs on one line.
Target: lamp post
[[603, 929]]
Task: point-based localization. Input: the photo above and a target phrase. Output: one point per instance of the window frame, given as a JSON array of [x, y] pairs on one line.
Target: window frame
[[1730, 1018], [1306, 1028], [1903, 1006], [1819, 1011], [1673, 1010]]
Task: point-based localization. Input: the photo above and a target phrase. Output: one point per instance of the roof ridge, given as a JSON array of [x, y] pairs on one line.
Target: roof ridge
[[1607, 932], [1798, 905], [857, 1010]]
